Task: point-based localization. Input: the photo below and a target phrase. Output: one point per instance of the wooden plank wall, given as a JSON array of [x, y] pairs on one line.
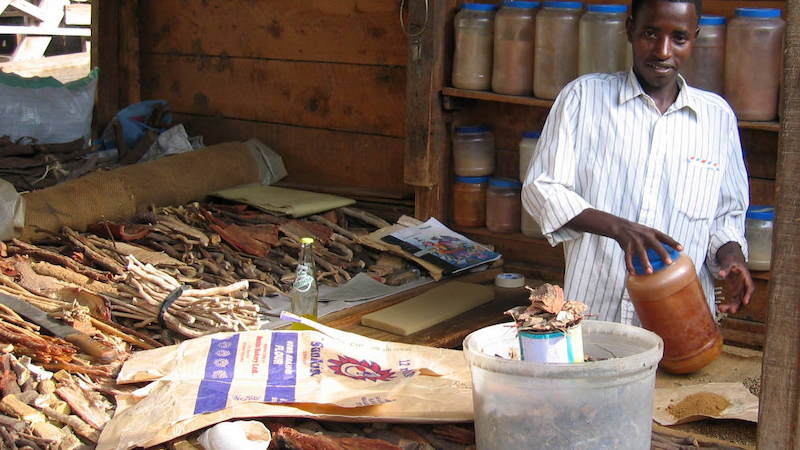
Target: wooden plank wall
[[322, 83]]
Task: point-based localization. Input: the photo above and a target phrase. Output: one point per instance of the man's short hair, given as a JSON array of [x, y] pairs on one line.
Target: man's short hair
[[636, 5]]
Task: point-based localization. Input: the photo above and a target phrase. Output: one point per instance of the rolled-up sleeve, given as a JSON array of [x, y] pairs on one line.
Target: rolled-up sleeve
[[548, 193], [729, 220]]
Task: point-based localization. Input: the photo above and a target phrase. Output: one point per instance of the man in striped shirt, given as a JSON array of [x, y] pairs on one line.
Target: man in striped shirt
[[631, 160]]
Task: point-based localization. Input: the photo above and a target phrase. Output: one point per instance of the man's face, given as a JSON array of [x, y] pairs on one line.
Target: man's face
[[662, 35]]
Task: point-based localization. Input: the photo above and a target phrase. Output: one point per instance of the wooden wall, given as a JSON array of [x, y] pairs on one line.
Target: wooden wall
[[321, 82]]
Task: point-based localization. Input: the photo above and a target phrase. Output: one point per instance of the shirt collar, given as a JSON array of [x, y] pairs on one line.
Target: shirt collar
[[631, 89]]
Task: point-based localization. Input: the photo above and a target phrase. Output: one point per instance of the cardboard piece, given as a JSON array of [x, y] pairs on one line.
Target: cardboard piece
[[428, 309], [283, 201]]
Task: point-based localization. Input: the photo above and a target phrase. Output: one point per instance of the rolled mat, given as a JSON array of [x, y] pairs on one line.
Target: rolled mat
[[122, 192]]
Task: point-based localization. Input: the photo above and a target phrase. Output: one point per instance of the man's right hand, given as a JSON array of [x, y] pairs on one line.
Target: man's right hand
[[634, 238]]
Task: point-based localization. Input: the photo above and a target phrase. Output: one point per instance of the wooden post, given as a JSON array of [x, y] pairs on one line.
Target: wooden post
[[426, 148], [105, 55], [779, 412], [129, 90]]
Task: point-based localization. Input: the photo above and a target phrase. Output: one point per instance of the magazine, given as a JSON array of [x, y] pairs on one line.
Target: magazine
[[435, 243]]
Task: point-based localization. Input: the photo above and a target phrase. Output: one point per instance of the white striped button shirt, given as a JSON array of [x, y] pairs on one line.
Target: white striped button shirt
[[605, 145]]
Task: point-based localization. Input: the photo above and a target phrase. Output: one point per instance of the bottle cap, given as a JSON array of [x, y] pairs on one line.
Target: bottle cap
[[655, 259], [472, 180], [607, 8], [564, 5], [479, 6], [520, 4], [473, 129], [532, 134], [509, 280], [504, 182], [761, 212], [307, 240], [712, 20], [758, 13]]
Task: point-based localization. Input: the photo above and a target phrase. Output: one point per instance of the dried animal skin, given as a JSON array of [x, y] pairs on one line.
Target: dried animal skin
[[290, 439], [547, 297]]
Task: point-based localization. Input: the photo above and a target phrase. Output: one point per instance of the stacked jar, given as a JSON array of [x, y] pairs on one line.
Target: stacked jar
[[473, 162], [705, 67], [503, 205], [753, 63], [527, 146], [514, 33], [469, 201], [603, 41], [474, 41], [555, 61], [758, 232]]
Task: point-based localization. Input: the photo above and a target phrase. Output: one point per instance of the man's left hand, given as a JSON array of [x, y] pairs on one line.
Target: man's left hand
[[735, 272]]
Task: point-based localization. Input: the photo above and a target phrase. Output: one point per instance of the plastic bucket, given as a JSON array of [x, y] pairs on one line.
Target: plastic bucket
[[605, 404]]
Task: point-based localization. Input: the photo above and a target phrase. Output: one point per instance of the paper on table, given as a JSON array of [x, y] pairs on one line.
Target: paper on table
[[743, 404], [360, 287], [283, 201]]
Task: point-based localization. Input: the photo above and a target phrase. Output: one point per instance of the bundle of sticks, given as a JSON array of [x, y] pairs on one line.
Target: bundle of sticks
[[193, 269], [29, 165]]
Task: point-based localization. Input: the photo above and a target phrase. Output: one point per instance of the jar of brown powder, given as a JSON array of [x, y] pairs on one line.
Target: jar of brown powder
[[474, 41], [514, 33], [555, 61], [503, 205]]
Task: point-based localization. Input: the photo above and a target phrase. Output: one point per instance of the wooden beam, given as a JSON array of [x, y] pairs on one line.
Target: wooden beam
[[779, 412], [44, 31], [30, 9], [129, 70], [78, 14], [105, 55]]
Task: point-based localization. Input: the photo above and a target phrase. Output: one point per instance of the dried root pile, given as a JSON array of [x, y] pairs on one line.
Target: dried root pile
[[211, 261]]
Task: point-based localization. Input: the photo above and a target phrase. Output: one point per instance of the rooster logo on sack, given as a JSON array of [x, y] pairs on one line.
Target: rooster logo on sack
[[359, 370]]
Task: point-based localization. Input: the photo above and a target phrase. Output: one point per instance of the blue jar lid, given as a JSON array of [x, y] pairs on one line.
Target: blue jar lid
[[564, 5], [612, 8], [473, 129], [521, 5], [758, 13], [532, 134], [504, 182], [655, 259], [712, 20], [478, 6], [472, 180], [761, 212]]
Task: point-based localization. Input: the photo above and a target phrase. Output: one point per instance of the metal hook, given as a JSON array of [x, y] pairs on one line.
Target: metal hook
[[403, 25]]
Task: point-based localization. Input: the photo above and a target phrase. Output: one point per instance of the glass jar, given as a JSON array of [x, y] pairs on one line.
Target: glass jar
[[469, 201], [753, 63], [670, 302], [474, 40], [473, 151], [758, 232], [503, 205], [514, 33], [527, 145], [603, 41], [555, 61], [529, 226], [705, 67]]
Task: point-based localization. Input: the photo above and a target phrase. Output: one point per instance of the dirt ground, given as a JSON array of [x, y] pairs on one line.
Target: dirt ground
[[736, 364]]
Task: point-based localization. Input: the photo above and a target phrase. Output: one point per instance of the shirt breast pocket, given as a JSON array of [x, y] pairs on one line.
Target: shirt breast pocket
[[697, 189]]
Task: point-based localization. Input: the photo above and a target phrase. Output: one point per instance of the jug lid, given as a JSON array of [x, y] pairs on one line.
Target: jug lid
[[655, 259]]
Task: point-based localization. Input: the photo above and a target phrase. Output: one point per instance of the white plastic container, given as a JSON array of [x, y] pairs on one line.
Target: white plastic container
[[599, 405], [527, 145], [758, 232]]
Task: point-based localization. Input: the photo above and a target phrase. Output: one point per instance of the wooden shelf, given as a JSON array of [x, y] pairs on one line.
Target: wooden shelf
[[533, 101]]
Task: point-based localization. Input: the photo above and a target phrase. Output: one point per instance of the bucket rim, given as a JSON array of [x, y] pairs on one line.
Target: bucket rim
[[648, 359]]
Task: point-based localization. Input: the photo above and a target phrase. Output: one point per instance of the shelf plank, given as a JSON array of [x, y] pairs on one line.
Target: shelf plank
[[492, 97], [533, 101]]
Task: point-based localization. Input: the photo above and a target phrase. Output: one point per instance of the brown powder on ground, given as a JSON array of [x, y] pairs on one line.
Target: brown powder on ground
[[701, 404]]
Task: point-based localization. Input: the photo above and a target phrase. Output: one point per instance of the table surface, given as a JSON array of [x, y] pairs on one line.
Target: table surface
[[447, 334]]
